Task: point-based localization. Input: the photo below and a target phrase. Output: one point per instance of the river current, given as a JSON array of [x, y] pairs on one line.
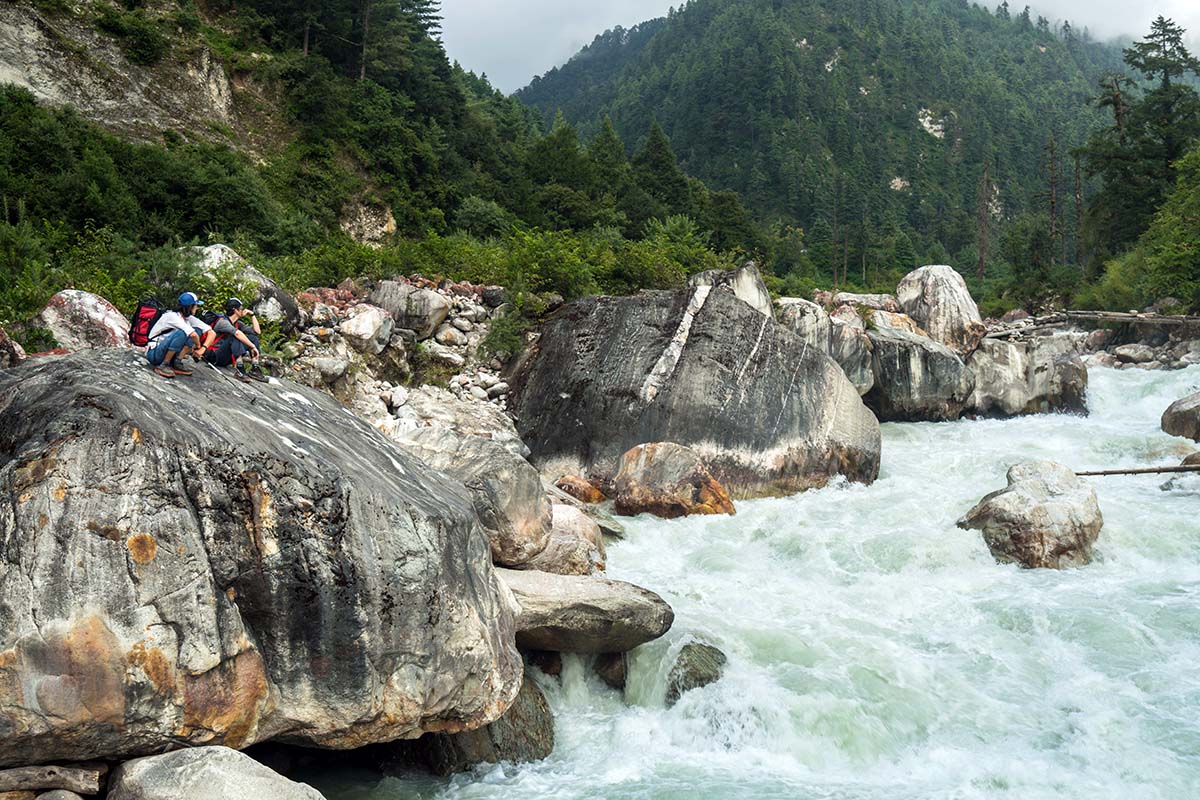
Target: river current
[[878, 652]]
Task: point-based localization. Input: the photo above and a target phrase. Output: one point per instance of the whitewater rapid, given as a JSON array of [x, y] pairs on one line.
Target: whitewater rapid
[[877, 652]]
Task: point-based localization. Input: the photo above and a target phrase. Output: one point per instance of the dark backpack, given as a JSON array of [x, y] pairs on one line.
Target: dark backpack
[[210, 318], [142, 322]]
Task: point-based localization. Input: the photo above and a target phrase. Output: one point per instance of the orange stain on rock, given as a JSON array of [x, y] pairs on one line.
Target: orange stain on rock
[[154, 663], [142, 547], [227, 700]]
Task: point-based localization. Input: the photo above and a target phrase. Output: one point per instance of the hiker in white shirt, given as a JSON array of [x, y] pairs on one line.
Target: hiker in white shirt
[[176, 335]]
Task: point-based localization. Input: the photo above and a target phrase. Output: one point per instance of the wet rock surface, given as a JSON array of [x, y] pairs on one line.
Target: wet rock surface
[[1045, 517], [700, 368], [199, 561], [1028, 377], [696, 666], [1182, 418]]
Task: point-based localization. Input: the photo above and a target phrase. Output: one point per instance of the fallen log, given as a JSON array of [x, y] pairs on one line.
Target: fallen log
[[1142, 471], [80, 781]]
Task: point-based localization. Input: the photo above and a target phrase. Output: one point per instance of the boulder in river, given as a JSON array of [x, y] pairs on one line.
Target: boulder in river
[[851, 348], [697, 665], [581, 489], [1182, 418], [745, 283], [1045, 517], [700, 368], [203, 773], [1028, 377], [938, 299], [505, 488], [584, 614], [524, 734], [575, 545], [1134, 353], [413, 308], [81, 321], [667, 480], [200, 561], [916, 378]]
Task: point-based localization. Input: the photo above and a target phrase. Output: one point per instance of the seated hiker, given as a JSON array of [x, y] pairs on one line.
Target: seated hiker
[[176, 335], [235, 339]]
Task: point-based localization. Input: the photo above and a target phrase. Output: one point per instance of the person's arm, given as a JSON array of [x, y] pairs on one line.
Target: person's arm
[[254, 323], [244, 339]]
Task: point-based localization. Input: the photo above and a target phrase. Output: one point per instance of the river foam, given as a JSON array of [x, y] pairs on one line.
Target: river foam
[[877, 652]]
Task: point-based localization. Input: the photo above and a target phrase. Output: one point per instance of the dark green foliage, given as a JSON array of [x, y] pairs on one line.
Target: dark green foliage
[[140, 36]]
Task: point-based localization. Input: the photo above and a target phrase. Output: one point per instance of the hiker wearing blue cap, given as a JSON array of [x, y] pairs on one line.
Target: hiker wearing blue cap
[[176, 335]]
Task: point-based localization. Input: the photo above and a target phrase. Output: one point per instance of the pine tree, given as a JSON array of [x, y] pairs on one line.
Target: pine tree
[[658, 173], [427, 13]]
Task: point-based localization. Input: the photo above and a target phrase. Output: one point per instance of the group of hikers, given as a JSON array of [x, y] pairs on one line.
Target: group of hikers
[[221, 340]]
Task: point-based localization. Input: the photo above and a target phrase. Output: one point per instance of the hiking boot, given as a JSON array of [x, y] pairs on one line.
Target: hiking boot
[[256, 372], [178, 370], [164, 371], [241, 372]]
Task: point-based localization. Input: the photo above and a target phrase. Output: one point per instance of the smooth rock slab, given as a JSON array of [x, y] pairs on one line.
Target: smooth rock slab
[[1182, 418], [700, 368], [584, 614], [745, 283], [202, 561], [204, 773], [1046, 517]]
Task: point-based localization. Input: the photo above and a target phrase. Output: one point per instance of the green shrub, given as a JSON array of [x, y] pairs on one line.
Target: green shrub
[[141, 38]]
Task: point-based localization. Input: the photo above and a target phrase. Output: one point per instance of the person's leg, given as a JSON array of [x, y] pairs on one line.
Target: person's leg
[[222, 354], [163, 355]]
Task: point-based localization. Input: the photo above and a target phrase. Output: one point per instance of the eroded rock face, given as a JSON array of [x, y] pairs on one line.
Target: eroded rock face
[[697, 665], [1182, 418], [82, 320], [431, 406], [667, 480], [807, 320], [700, 368], [746, 284], [876, 302], [580, 489], [201, 561], [1046, 517], [916, 378], [851, 349], [505, 488], [412, 308], [524, 734], [584, 614], [1028, 377], [938, 299], [204, 773]]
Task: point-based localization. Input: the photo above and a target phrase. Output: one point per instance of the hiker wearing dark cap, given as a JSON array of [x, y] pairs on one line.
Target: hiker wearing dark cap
[[176, 335], [235, 340]]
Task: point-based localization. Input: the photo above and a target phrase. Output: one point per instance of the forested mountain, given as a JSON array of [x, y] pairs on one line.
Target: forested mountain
[[859, 121]]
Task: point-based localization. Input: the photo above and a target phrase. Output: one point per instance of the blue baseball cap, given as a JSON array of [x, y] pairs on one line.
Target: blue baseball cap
[[189, 299]]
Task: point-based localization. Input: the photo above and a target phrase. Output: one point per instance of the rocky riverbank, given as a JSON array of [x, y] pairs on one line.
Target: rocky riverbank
[[203, 562]]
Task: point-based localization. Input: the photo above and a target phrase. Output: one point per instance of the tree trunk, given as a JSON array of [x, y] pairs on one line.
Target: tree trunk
[[307, 29], [366, 15]]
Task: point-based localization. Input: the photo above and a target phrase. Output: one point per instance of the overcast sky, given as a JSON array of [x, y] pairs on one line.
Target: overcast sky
[[514, 40]]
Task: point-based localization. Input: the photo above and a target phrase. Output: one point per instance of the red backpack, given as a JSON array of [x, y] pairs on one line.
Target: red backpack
[[142, 322]]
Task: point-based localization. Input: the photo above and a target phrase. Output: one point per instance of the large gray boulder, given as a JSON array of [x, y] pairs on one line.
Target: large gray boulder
[[697, 665], [81, 320], [1028, 377], [1045, 517], [851, 349], [505, 488], [745, 283], [524, 734], [938, 299], [575, 547], [807, 320], [200, 561], [916, 378], [1182, 418], [584, 614], [203, 773], [413, 308], [700, 368]]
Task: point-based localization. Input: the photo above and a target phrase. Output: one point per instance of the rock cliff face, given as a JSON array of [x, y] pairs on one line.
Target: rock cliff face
[[768, 412], [198, 561], [64, 61]]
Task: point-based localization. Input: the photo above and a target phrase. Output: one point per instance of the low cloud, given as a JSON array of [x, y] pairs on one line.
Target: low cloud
[[518, 39]]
